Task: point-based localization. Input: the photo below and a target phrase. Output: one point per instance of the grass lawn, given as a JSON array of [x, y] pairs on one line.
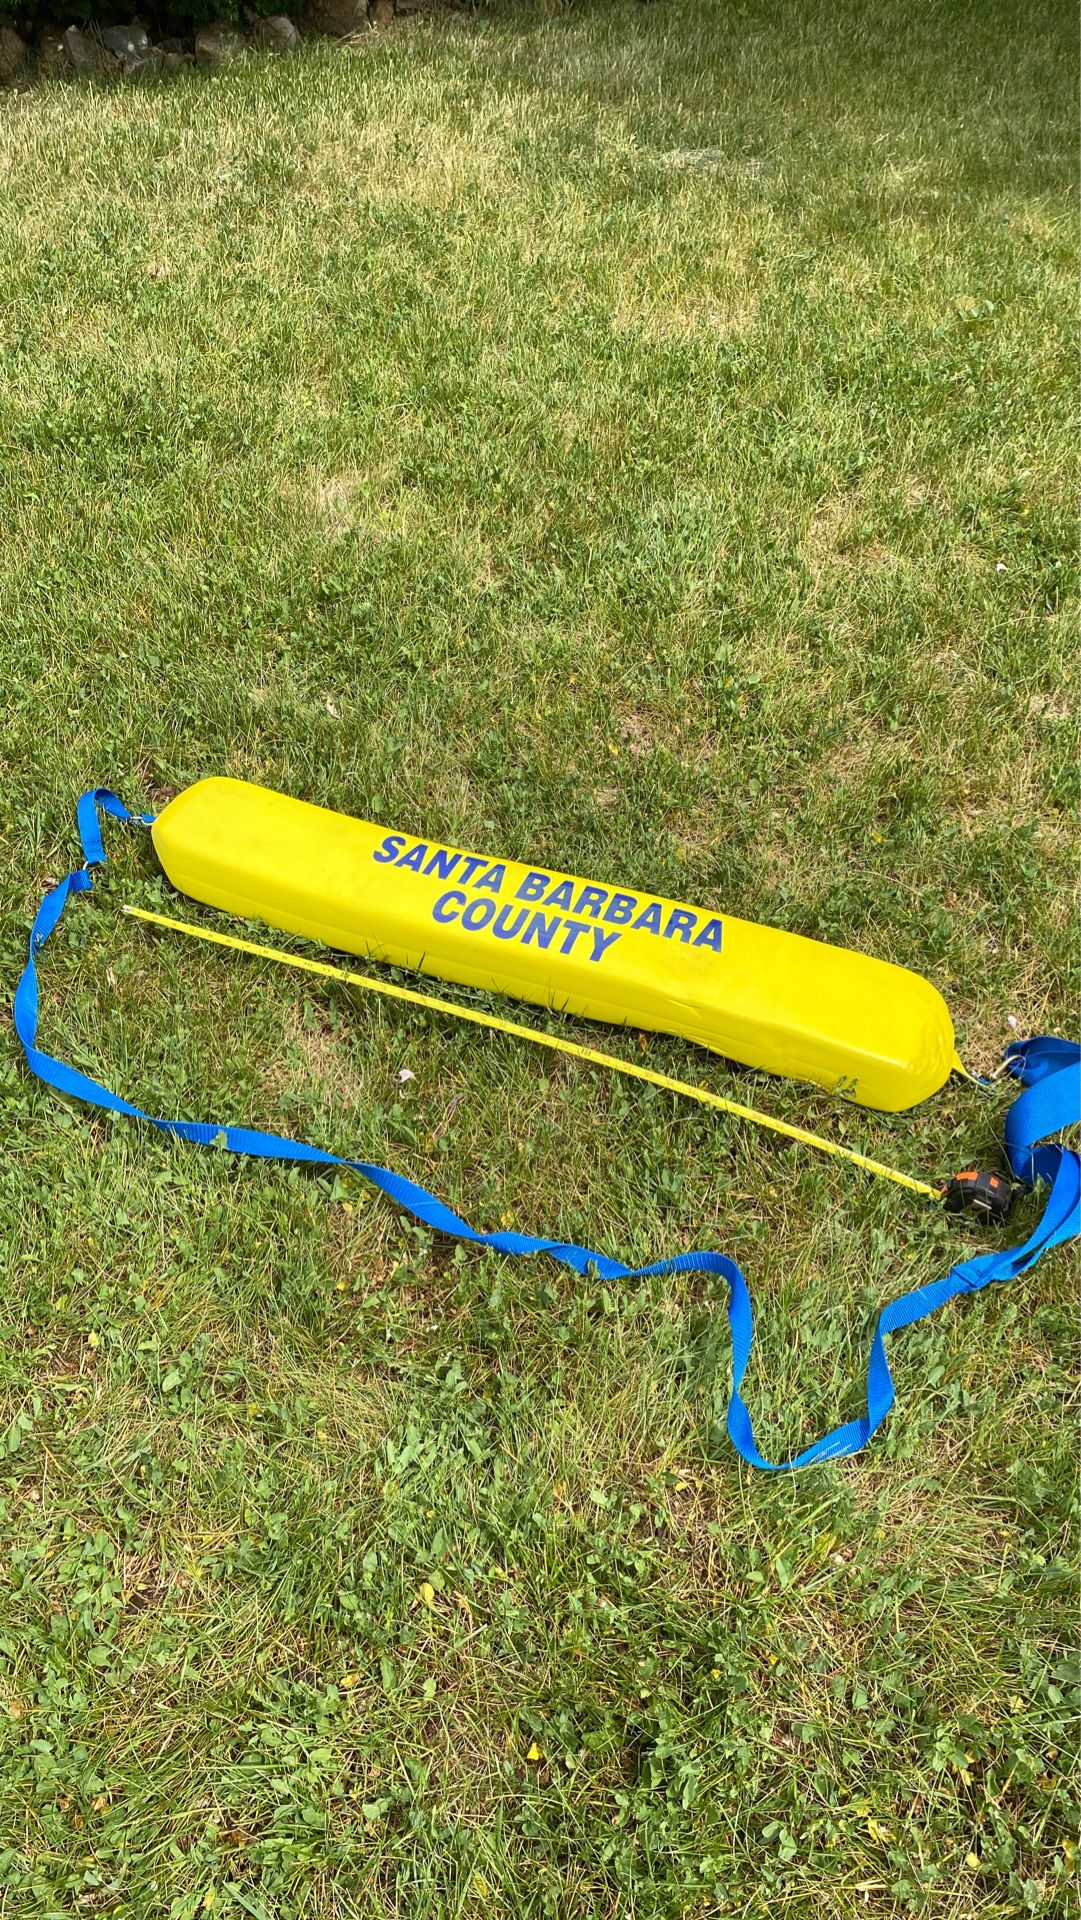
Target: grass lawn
[[638, 439]]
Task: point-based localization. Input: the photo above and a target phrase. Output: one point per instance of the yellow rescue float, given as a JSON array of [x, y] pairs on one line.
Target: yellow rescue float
[[873, 1032]]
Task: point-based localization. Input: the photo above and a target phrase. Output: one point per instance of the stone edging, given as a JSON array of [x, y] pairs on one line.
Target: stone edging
[[130, 52]]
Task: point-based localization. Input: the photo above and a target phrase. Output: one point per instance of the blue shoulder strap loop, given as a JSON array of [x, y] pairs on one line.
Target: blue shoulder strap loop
[[1048, 1069], [99, 800]]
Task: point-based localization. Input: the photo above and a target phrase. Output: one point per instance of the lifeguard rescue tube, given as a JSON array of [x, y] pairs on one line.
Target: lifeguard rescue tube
[[873, 1032]]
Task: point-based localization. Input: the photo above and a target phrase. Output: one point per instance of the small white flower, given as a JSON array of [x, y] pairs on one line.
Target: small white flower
[[406, 1073]]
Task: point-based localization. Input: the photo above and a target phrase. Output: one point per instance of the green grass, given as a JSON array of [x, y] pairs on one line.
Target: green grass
[[638, 439]]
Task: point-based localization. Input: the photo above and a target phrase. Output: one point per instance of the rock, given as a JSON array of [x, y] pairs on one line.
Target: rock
[[277, 33], [14, 57], [146, 66], [336, 17], [184, 48], [129, 48], [172, 61], [130, 44], [86, 56], [381, 13], [217, 44]]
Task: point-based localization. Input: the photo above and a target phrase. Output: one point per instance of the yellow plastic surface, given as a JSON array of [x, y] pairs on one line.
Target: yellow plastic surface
[[876, 1033]]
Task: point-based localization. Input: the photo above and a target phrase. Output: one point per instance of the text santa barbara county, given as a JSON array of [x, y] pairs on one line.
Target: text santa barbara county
[[608, 912]]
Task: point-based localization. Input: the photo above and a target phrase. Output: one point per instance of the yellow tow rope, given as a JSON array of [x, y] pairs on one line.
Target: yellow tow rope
[[539, 1039]]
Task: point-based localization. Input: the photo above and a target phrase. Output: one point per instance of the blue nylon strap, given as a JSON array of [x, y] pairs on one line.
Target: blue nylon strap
[[1049, 1070]]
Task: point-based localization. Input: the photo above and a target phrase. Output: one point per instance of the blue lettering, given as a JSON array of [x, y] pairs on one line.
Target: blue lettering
[[562, 895], [442, 863], [649, 920], [502, 927], [532, 887], [681, 922], [620, 908], [601, 941], [541, 932], [574, 928], [391, 847], [493, 879], [477, 914], [472, 862], [447, 906], [710, 936], [591, 900], [415, 858]]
